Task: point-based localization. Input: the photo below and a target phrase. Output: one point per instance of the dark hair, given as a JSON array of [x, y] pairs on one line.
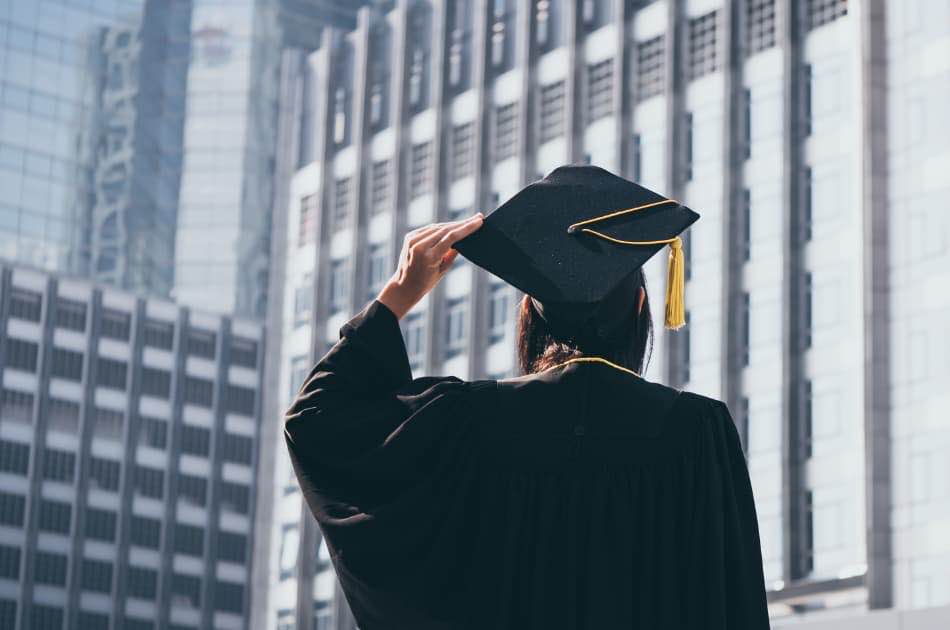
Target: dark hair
[[630, 346]]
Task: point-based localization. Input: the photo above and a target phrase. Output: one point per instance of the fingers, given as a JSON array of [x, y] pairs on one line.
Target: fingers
[[433, 241], [457, 233]]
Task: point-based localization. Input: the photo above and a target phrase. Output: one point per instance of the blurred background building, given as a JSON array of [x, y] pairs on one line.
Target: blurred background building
[[811, 138]]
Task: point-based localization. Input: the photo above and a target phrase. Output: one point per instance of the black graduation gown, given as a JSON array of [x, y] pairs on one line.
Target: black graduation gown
[[581, 497]]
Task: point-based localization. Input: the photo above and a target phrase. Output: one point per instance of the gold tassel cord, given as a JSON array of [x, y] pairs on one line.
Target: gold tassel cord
[[676, 268]]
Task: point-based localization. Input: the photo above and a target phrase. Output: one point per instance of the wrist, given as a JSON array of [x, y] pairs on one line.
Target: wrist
[[394, 297]]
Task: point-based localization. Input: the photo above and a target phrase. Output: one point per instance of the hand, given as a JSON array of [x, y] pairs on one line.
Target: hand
[[426, 256]]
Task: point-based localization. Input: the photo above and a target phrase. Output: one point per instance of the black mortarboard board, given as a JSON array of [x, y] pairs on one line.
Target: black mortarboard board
[[574, 240]]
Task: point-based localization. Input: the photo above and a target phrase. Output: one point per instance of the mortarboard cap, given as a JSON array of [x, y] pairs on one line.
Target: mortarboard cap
[[574, 240]]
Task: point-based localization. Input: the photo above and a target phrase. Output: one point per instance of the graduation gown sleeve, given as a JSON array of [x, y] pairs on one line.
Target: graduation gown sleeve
[[376, 454]]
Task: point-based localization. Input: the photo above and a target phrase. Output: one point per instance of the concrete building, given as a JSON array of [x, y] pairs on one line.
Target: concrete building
[[128, 466], [809, 136]]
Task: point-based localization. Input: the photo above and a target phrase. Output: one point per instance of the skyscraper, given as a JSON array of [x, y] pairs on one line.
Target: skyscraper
[[809, 137]]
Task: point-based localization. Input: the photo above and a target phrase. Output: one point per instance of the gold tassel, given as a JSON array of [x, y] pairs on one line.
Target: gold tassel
[[675, 287]]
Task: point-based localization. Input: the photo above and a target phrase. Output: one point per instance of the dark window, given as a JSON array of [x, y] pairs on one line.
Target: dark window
[[100, 524], [145, 532], [55, 516], [303, 301], [198, 391], [156, 382], [651, 68], [201, 343], [96, 576], [71, 314], [745, 313], [49, 568], [745, 130], [153, 432], [62, 415], [420, 172], [463, 150], [14, 457], [307, 224], [549, 20], [21, 354], [189, 539], [26, 305], [66, 364], [704, 54], [194, 489], [16, 406], [107, 424], [186, 590], [7, 613], [150, 482], [378, 269], [506, 131], [684, 366], [823, 11], [47, 617], [195, 440], [745, 225], [104, 474], [10, 562], [636, 149], [808, 538], [159, 334], [140, 582], [456, 314], [232, 547], [237, 448], [807, 203], [419, 57], [244, 352], [59, 465], [688, 146], [94, 621], [806, 105], [12, 509], [111, 373], [760, 25], [115, 324], [807, 283], [499, 311], [600, 86], [381, 186], [342, 204], [552, 112], [807, 418], [240, 399], [228, 596], [339, 285], [235, 497]]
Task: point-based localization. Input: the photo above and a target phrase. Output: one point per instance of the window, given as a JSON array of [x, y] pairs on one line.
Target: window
[[378, 269], [55, 516], [552, 112], [198, 391], [683, 371], [100, 524], [703, 45], [195, 440], [96, 621], [499, 311], [380, 187], [240, 399], [307, 226], [228, 596], [96, 576], [26, 305], [415, 339], [66, 364], [806, 104], [141, 582], [807, 319], [503, 27], [744, 328], [145, 532], [600, 85], [61, 415], [637, 158], [688, 146], [158, 334], [186, 590], [193, 489], [10, 563], [104, 474], [237, 448], [12, 508], [807, 419], [299, 368], [16, 406], [303, 301], [760, 25], [156, 382], [14, 457], [506, 131], [115, 324], [49, 568], [244, 352], [153, 432], [8, 613], [463, 149], [59, 465], [235, 497], [549, 24], [189, 539], [339, 287], [150, 482], [745, 126], [47, 617], [420, 173], [807, 203], [21, 354], [342, 203], [651, 65], [745, 225], [232, 547], [111, 373], [821, 12], [455, 327], [419, 43], [71, 314], [108, 423], [201, 343]]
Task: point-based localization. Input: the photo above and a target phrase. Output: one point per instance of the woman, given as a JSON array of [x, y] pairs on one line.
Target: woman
[[579, 495]]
